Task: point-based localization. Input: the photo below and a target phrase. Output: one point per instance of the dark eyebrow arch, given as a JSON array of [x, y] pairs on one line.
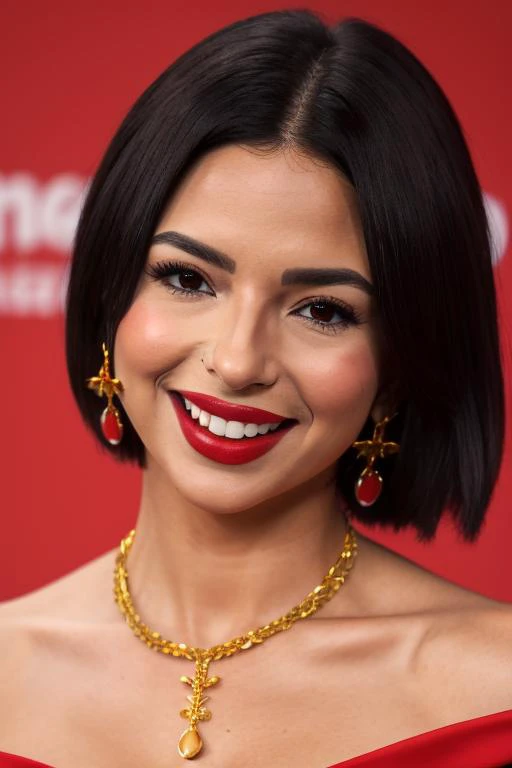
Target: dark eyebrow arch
[[196, 248], [297, 276], [327, 277]]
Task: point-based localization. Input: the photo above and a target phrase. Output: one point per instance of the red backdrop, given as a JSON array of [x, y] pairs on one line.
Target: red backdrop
[[70, 71]]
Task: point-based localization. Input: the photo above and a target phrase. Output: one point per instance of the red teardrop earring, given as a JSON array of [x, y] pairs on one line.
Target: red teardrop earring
[[369, 483], [102, 384]]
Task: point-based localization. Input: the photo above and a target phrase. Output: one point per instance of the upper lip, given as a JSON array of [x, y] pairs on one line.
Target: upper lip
[[230, 411]]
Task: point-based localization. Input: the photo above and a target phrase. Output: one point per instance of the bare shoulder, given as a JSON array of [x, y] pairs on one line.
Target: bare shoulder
[[468, 652], [73, 596], [463, 654], [49, 633], [400, 586], [43, 620], [474, 637]]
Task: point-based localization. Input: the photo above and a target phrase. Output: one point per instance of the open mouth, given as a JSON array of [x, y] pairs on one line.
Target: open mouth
[[236, 431]]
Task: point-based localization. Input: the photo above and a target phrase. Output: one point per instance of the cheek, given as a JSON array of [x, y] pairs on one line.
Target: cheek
[[144, 346], [344, 384]]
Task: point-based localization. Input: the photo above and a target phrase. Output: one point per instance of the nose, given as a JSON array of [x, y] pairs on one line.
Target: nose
[[242, 351]]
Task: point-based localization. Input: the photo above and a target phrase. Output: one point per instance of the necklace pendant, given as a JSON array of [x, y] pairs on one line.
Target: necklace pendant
[[190, 743]]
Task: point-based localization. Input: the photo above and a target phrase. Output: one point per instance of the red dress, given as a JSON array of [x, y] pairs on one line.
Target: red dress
[[484, 742]]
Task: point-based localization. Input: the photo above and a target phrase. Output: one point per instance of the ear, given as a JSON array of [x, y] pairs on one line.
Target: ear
[[385, 403]]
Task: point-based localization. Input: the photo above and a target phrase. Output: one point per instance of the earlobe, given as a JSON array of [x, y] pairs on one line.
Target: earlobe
[[382, 407], [385, 403], [379, 411]]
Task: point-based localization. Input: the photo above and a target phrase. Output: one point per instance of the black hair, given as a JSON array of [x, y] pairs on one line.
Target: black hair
[[354, 96]]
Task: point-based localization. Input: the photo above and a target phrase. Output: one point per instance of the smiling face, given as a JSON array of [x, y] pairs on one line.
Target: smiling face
[[242, 324]]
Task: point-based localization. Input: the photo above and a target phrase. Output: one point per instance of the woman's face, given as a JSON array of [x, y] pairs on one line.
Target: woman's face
[[234, 328]]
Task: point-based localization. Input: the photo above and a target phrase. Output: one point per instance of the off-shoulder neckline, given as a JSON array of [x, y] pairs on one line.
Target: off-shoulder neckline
[[445, 730], [352, 761]]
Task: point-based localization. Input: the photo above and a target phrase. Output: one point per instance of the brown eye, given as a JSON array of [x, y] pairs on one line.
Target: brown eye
[[322, 311], [178, 278], [190, 280]]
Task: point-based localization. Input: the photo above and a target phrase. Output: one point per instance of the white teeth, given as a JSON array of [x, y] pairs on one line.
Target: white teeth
[[236, 430], [217, 425], [251, 430]]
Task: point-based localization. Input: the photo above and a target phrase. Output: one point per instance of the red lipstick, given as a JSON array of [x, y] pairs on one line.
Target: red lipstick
[[226, 450], [230, 411]]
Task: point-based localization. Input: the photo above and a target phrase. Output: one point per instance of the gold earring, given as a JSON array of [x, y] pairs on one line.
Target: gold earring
[[102, 384], [369, 483]]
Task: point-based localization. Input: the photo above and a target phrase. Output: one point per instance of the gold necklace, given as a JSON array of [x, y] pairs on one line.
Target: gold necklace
[[190, 743]]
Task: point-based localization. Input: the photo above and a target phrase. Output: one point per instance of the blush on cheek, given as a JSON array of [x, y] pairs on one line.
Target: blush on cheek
[[347, 381], [148, 341]]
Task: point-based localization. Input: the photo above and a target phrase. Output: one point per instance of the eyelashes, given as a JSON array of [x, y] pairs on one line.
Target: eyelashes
[[162, 271]]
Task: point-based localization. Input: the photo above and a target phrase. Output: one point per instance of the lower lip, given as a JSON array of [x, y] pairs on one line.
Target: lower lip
[[224, 449]]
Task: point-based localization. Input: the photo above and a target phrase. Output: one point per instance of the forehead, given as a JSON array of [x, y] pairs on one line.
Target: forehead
[[283, 203]]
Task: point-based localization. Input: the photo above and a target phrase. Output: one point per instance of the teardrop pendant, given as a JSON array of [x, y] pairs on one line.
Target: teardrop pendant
[[111, 425], [190, 743], [368, 487]]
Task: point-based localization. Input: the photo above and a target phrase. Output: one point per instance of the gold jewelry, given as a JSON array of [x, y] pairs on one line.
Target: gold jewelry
[[190, 743], [102, 384], [369, 483]]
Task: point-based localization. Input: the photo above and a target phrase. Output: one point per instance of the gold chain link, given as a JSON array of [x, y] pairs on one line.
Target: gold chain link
[[190, 742]]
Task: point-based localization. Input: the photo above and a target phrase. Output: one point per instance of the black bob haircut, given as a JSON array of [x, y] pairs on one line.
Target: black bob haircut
[[353, 96]]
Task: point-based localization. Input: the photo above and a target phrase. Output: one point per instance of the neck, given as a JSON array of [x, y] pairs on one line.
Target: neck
[[203, 578]]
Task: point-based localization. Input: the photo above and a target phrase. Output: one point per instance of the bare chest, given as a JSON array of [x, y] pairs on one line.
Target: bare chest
[[289, 702]]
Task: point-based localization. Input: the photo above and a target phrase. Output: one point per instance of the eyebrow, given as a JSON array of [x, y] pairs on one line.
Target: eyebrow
[[296, 276]]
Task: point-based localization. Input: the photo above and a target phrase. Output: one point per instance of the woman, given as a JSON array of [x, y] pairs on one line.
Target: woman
[[282, 272]]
